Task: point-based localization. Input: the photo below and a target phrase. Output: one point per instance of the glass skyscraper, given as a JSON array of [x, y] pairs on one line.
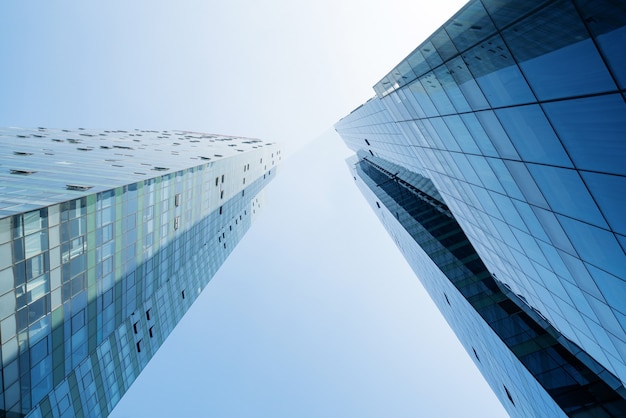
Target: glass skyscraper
[[106, 239], [495, 155]]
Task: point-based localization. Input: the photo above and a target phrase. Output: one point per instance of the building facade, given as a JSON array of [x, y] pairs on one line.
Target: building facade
[[106, 239], [494, 155]]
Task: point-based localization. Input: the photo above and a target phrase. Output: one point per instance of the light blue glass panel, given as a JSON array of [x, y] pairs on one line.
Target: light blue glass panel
[[452, 89], [566, 193], [595, 245], [610, 193], [444, 134], [461, 134], [532, 135], [498, 136], [479, 135], [593, 131], [613, 288], [504, 177], [437, 94], [467, 84]]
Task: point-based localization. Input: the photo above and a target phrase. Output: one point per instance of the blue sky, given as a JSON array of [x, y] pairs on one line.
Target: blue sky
[[315, 314]]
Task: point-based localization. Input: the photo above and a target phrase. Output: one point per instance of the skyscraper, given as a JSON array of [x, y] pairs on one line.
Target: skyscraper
[[106, 239], [494, 155]]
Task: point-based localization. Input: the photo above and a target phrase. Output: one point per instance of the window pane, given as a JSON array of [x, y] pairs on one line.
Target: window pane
[[592, 131], [607, 23], [566, 193], [532, 135], [497, 73], [609, 192], [556, 54]]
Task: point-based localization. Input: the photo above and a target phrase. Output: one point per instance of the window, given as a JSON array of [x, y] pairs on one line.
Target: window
[[378, 205], [150, 332], [135, 327], [508, 394], [222, 194], [222, 178], [220, 210], [217, 180], [22, 172], [176, 222], [148, 314], [182, 294], [139, 346], [177, 199]]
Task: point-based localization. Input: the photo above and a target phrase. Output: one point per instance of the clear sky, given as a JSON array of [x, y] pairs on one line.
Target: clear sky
[[315, 314]]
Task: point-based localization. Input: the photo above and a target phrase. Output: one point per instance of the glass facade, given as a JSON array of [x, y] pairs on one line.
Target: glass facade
[[106, 239], [513, 116]]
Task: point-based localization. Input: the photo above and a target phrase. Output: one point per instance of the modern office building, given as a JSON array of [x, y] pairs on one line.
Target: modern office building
[[495, 155], [106, 239]]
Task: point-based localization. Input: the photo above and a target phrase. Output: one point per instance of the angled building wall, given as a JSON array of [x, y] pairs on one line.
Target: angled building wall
[[106, 239], [514, 111]]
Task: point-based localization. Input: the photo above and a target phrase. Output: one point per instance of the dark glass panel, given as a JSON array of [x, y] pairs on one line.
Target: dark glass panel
[[497, 74], [504, 12], [470, 26], [418, 63], [606, 19], [592, 131], [441, 41], [556, 55], [430, 54]]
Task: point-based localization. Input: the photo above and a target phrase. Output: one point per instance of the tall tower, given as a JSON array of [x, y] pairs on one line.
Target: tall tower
[[494, 155], [106, 239]]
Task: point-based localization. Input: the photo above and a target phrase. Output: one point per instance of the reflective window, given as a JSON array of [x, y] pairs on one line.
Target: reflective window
[[479, 135], [532, 135], [593, 131], [497, 74], [418, 63], [595, 244], [470, 26], [609, 192], [467, 85], [437, 94], [441, 41], [556, 54], [566, 193], [498, 136], [452, 89], [606, 22], [504, 12], [461, 134], [430, 54]]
